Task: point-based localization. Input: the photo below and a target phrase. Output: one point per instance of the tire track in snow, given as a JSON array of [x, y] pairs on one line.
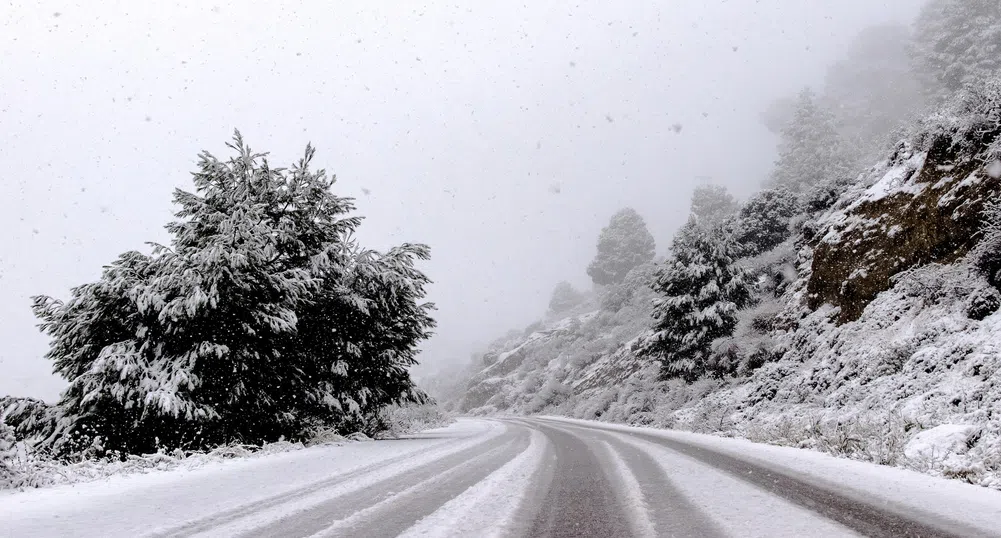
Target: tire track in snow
[[491, 508], [855, 513], [705, 501], [416, 496], [667, 509], [283, 504], [631, 494], [580, 500]]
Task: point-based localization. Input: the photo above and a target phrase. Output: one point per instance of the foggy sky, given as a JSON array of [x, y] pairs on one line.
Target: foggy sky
[[460, 120]]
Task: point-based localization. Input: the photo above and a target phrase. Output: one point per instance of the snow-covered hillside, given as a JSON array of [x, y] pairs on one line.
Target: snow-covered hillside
[[875, 334]]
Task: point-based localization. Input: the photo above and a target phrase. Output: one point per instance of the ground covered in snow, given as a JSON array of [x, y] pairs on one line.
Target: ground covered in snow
[[515, 477]]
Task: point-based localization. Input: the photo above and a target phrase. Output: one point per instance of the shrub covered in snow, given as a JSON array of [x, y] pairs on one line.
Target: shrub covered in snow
[[413, 418], [564, 298], [988, 252]]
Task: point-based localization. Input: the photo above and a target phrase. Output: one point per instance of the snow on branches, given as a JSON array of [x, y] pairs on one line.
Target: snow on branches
[[261, 317]]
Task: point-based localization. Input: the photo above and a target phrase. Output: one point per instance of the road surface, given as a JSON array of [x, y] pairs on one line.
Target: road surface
[[537, 476]]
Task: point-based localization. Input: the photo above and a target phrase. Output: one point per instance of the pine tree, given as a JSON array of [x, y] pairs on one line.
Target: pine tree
[[763, 221], [564, 298], [958, 42], [624, 244], [222, 335], [8, 454], [811, 153], [712, 203], [378, 322], [701, 287]]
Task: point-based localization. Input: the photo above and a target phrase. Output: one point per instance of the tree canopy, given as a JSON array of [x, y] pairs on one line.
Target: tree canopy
[[700, 289], [624, 244]]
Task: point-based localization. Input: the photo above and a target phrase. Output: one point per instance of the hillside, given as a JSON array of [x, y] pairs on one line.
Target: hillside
[[873, 332]]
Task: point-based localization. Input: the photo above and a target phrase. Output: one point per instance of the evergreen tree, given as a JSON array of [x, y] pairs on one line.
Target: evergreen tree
[[778, 114], [701, 288], [8, 454], [712, 203], [958, 42], [30, 418], [378, 321], [811, 153], [564, 298], [624, 244], [226, 333], [763, 221]]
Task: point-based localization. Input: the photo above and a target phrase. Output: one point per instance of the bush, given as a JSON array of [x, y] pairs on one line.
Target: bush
[[876, 438], [564, 298], [982, 303], [987, 254], [30, 418], [407, 419]]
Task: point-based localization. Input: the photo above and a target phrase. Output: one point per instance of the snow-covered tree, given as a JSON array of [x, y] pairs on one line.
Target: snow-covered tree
[[8, 454], [624, 244], [31, 418], [778, 114], [873, 91], [365, 326], [262, 316], [564, 298], [701, 287], [634, 289], [811, 153], [712, 203], [958, 42], [763, 221]]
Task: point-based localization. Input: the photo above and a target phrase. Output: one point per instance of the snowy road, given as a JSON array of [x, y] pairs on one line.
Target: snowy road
[[517, 477]]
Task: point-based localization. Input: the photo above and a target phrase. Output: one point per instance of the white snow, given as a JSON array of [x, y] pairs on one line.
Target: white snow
[[945, 500], [895, 180], [630, 493], [889, 183], [132, 505], [994, 169], [489, 508], [752, 511], [940, 441]]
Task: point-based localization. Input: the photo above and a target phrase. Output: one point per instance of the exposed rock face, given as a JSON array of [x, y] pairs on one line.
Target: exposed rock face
[[925, 208]]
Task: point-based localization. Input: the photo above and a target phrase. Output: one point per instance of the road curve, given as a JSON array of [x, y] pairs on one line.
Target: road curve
[[537, 477]]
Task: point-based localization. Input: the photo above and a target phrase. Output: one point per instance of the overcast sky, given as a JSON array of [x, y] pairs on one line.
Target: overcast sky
[[503, 136]]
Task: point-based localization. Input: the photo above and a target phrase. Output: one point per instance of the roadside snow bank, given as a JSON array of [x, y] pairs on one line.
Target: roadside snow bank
[[940, 441], [133, 505]]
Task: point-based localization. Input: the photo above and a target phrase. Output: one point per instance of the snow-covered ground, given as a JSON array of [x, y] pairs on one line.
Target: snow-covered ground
[[516, 477], [133, 505]]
